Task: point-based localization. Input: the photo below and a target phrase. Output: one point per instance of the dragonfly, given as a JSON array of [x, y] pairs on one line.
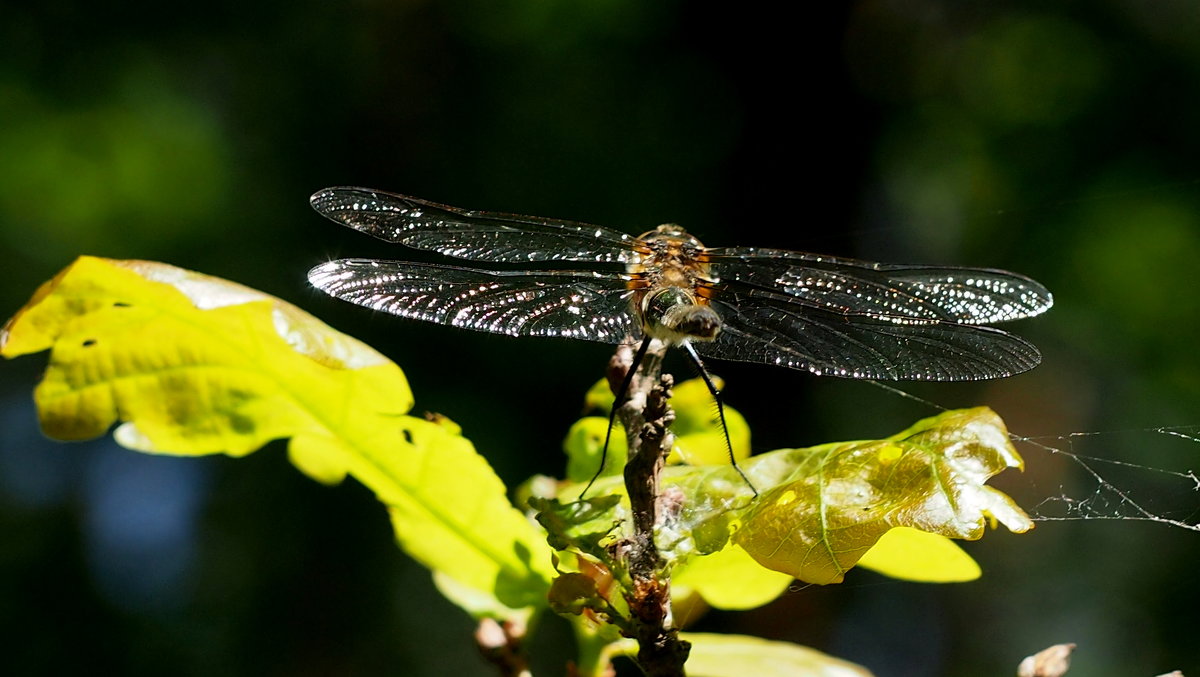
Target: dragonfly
[[826, 315]]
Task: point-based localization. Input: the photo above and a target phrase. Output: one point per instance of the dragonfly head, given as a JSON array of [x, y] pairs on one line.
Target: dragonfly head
[[674, 315], [671, 233]]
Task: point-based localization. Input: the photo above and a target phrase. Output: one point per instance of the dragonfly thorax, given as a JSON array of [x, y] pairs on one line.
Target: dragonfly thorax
[[669, 257], [674, 315]]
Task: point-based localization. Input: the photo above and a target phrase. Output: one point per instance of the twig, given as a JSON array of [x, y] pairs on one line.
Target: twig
[[646, 416], [501, 645]]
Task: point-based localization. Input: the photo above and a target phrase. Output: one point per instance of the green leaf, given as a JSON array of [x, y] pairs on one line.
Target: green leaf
[[480, 603], [599, 397], [827, 505], [699, 437], [190, 364], [588, 526], [716, 655], [583, 445], [451, 512]]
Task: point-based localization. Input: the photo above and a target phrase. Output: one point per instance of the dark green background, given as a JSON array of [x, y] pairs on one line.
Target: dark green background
[[1057, 139]]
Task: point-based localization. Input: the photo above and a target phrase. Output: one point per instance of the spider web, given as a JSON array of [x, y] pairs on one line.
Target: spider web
[[1120, 490], [1096, 484]]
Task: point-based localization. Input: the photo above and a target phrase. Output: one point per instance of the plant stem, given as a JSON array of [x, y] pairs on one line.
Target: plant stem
[[646, 417]]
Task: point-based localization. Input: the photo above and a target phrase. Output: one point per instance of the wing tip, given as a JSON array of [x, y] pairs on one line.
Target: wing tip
[[324, 198]]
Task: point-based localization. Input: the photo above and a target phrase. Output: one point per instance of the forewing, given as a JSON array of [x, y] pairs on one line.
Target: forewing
[[481, 236], [885, 291], [586, 305], [769, 328]]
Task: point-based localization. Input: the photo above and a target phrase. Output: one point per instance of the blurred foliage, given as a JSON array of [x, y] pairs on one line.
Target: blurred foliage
[[139, 158], [1055, 139]]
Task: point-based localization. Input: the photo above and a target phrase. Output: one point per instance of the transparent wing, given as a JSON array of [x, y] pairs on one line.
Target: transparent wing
[[481, 236], [771, 328], [959, 295], [584, 305]]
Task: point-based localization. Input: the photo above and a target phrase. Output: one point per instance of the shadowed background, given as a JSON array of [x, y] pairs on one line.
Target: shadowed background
[[1053, 139]]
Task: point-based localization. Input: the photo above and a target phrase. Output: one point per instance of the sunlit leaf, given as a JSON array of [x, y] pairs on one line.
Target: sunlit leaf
[[715, 655], [915, 555], [190, 364], [730, 579]]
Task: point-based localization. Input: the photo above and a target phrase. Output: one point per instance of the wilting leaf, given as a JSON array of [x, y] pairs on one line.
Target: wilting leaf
[[827, 505], [190, 364], [821, 509]]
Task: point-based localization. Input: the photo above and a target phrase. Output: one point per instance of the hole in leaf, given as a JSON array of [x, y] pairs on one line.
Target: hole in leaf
[[408, 436], [89, 343]]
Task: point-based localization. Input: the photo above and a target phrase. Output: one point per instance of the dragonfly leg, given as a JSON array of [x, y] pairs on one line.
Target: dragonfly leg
[[620, 395], [712, 388]]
